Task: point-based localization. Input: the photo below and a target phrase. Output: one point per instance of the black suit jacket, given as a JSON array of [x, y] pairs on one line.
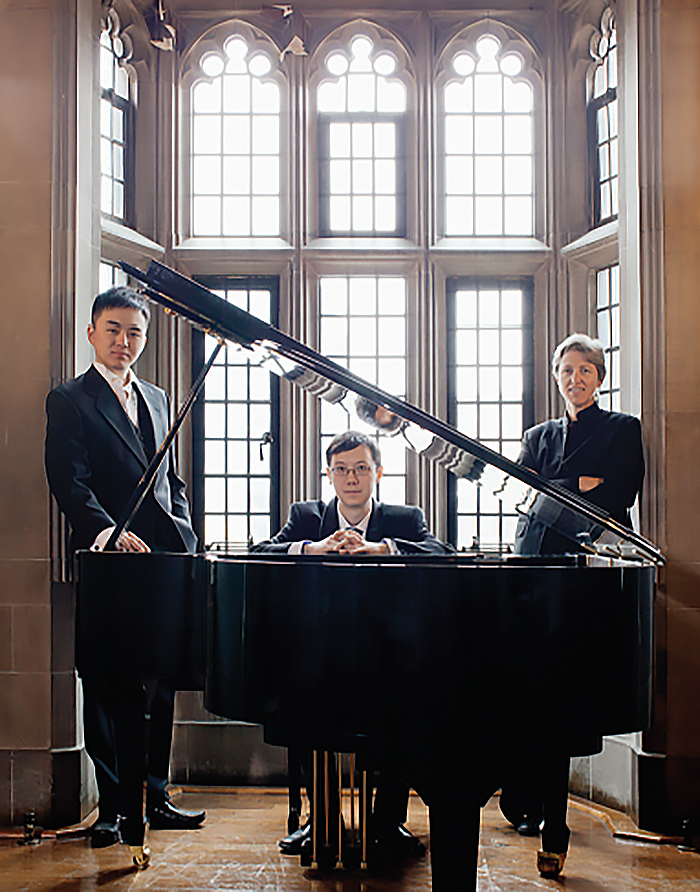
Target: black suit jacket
[[612, 449], [95, 458], [315, 520]]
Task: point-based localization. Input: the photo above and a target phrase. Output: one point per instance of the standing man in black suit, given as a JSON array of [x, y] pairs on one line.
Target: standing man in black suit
[[355, 523], [102, 429]]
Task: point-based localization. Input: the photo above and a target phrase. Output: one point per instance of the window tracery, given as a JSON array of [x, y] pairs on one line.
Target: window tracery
[[488, 146], [603, 121], [361, 101], [234, 135], [117, 100]]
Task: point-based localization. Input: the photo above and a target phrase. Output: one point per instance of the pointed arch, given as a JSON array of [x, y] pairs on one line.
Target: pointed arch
[[234, 134], [603, 120], [362, 93], [489, 97]]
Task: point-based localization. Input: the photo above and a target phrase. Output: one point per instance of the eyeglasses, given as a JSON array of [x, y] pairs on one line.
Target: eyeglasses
[[361, 470]]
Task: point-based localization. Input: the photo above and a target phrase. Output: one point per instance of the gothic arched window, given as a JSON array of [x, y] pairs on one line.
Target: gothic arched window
[[361, 104], [488, 170], [116, 124], [603, 122], [234, 172]]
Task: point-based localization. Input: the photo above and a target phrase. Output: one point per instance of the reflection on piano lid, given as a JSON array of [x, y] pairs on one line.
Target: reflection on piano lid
[[450, 456], [518, 488]]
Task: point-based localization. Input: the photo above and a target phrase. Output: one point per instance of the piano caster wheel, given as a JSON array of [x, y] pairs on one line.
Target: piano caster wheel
[[141, 856], [550, 864]]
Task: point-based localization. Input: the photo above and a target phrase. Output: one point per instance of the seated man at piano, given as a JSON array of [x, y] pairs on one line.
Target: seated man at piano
[[102, 429], [355, 523]]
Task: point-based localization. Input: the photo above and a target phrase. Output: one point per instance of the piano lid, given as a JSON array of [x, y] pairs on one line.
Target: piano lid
[[519, 489]]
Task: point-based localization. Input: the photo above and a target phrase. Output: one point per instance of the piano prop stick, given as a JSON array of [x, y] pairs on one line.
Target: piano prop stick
[[339, 828], [149, 475], [415, 642]]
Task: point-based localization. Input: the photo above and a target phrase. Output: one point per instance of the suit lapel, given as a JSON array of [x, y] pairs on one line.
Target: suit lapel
[[329, 519], [375, 526], [108, 405]]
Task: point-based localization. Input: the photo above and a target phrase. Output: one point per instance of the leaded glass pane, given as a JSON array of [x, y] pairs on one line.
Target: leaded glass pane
[[363, 327], [608, 332], [488, 145], [603, 121], [236, 130], [115, 109], [360, 146], [488, 398], [238, 413]]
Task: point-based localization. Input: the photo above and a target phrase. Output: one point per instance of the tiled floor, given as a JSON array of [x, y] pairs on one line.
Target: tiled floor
[[236, 849]]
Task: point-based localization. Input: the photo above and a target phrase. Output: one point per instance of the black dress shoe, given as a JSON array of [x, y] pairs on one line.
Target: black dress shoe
[[292, 844], [400, 841], [167, 817], [104, 834], [529, 827]]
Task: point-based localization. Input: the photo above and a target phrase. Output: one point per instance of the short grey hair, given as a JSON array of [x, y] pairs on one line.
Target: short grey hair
[[590, 347]]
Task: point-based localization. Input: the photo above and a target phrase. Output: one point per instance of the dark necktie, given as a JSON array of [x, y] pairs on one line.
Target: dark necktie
[[145, 428]]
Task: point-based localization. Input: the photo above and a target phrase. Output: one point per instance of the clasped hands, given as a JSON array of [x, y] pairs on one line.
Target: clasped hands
[[345, 542]]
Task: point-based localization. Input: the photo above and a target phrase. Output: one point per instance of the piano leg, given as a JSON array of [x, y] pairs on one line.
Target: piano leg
[[454, 844], [339, 816], [555, 794], [364, 821], [455, 781], [314, 813]]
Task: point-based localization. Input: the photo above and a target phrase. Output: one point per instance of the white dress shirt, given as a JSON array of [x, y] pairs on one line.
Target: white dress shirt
[[126, 394], [125, 391]]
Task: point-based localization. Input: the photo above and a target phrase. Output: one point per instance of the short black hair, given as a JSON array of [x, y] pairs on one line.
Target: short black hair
[[351, 440], [120, 296]]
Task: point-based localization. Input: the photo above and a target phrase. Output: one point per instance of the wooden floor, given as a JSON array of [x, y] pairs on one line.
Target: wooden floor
[[236, 849]]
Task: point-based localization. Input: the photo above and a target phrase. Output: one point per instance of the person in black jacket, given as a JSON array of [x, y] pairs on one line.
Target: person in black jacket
[[354, 523], [102, 429], [598, 455]]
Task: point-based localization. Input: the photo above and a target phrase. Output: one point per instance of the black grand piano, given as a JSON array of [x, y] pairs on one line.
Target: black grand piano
[[440, 666]]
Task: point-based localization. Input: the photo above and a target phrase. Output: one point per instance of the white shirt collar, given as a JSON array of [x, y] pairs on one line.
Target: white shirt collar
[[361, 525], [123, 390], [113, 379]]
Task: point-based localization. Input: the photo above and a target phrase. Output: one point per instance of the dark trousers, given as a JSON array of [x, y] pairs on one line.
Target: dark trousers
[[537, 786], [128, 730]]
